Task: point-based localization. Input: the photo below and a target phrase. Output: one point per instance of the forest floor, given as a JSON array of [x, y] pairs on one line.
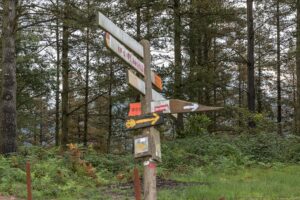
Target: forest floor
[[262, 182], [126, 191], [8, 198]]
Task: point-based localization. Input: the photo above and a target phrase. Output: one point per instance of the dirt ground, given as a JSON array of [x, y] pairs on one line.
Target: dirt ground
[[8, 198], [126, 191]]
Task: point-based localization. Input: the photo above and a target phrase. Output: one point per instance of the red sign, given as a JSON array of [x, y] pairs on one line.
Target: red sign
[[135, 109]]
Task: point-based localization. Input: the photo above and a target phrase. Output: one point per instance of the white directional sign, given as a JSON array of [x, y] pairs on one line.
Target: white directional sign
[[130, 58], [139, 84], [110, 27], [179, 106]]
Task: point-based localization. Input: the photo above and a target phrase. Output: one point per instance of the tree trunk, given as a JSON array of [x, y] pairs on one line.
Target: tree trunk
[[259, 89], [41, 122], [8, 112], [240, 87], [110, 107], [79, 129], [57, 80], [298, 69], [178, 63], [200, 60], [35, 142], [138, 23], [148, 21], [206, 45], [278, 71], [65, 77], [86, 97], [250, 63]]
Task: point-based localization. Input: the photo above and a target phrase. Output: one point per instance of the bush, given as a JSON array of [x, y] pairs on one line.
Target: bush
[[230, 151], [196, 125]]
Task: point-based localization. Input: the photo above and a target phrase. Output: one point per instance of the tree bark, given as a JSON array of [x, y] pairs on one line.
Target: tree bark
[[110, 107], [178, 63], [259, 89], [86, 97], [65, 77], [250, 63], [279, 115], [298, 69], [41, 137], [138, 23], [8, 112], [57, 124]]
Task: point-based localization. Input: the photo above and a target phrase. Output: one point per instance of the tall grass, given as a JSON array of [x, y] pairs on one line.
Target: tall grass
[[277, 182]]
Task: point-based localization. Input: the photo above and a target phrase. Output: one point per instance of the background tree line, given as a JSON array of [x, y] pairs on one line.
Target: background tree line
[[61, 85]]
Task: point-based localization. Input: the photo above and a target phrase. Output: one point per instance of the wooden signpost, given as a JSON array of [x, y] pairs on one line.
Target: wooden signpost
[[121, 35], [143, 50], [139, 85], [130, 59], [148, 114]]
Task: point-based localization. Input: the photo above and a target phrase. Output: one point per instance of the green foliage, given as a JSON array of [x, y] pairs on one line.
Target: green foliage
[[77, 173], [237, 120], [53, 175], [230, 151], [197, 124]]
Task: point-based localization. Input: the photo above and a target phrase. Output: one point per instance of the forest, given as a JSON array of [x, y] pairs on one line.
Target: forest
[[66, 99]]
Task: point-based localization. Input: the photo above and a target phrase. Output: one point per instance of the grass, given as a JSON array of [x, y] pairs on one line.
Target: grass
[[279, 182]]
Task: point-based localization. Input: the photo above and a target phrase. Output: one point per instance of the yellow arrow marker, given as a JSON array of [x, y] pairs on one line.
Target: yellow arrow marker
[[131, 123]]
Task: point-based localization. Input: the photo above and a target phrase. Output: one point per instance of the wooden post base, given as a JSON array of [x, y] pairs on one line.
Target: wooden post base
[[150, 180]]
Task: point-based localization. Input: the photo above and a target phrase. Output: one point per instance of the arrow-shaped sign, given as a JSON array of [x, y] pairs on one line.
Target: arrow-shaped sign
[[192, 107], [139, 84], [121, 51], [143, 121], [131, 123], [174, 106], [110, 27]]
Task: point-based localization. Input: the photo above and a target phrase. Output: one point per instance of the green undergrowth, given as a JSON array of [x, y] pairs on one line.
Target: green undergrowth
[[276, 181], [229, 152], [60, 175], [261, 165]]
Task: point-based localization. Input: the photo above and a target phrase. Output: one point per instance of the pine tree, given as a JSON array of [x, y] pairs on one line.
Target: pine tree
[[250, 59], [8, 114], [298, 68]]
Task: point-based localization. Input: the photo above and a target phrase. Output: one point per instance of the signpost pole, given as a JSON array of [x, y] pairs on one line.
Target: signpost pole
[[149, 164]]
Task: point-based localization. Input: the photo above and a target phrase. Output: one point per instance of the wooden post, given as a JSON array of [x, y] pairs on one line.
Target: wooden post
[[150, 180], [149, 164], [28, 177], [137, 184]]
